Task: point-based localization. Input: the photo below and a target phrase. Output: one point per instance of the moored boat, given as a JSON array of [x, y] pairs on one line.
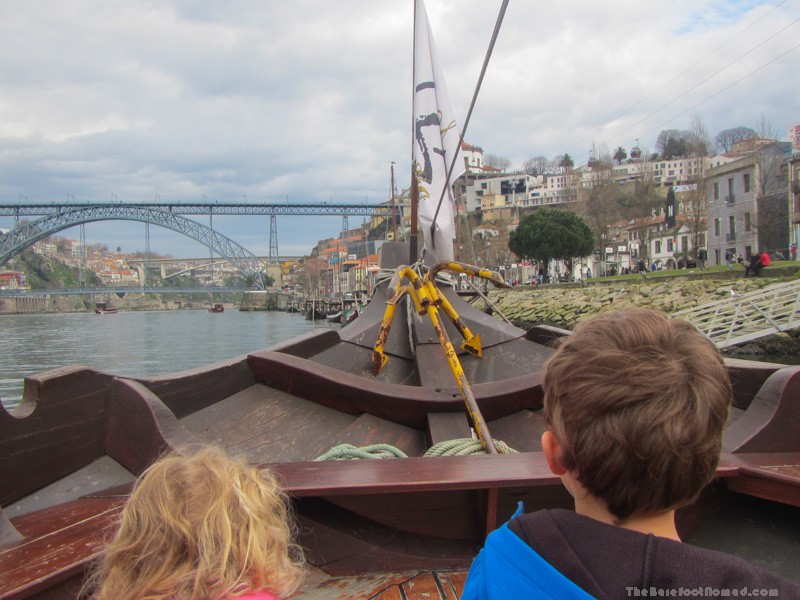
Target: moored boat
[[217, 307], [104, 308]]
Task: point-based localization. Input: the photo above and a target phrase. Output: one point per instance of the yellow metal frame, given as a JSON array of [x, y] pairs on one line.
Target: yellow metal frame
[[427, 300]]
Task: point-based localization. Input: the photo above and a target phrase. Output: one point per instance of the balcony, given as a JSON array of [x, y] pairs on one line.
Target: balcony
[[730, 237], [729, 199]]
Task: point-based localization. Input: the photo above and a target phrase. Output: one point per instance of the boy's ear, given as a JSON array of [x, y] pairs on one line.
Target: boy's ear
[[552, 453]]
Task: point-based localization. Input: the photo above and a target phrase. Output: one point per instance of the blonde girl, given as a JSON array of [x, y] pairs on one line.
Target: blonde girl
[[200, 525]]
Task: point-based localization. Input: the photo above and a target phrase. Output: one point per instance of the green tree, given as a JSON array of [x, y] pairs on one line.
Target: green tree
[[620, 154], [551, 233]]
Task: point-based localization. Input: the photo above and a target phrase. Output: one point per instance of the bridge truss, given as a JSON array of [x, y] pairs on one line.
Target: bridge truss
[[206, 208], [27, 234]]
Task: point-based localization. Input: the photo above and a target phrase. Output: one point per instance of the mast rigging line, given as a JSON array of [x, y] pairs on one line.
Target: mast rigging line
[[710, 77], [486, 59], [697, 62], [726, 88]]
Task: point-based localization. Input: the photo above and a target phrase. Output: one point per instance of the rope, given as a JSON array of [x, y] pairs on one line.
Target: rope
[[457, 447], [488, 302], [350, 452], [464, 446]]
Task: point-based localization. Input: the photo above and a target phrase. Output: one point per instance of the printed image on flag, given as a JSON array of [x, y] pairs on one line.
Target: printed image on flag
[[436, 142]]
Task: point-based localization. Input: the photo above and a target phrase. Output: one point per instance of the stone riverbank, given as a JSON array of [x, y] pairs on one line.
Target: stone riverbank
[[47, 303], [566, 305]]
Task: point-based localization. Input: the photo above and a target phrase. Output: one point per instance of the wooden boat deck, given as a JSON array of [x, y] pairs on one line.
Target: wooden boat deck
[[414, 585], [270, 426]]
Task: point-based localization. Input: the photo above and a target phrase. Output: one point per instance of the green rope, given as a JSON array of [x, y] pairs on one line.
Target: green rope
[[464, 446], [350, 452], [457, 447]]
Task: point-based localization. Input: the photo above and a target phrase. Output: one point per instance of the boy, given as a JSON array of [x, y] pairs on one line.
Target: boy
[[635, 405]]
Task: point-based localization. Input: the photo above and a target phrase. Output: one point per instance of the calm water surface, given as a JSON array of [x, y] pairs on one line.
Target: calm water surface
[[135, 343]]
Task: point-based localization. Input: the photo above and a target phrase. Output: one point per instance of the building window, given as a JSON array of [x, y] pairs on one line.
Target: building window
[[669, 245], [716, 191], [747, 223], [684, 244], [658, 246], [730, 187], [716, 227], [747, 182], [732, 227]]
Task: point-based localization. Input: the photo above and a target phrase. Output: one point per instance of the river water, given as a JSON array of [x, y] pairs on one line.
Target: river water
[[138, 343]]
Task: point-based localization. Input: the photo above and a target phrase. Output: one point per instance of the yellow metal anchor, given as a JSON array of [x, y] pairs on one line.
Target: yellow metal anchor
[[427, 299]]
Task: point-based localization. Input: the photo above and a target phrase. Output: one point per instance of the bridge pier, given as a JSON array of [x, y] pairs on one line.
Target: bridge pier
[[263, 300]]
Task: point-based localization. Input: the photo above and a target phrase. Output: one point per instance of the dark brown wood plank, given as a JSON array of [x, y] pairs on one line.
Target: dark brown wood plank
[[367, 430], [58, 427], [186, 392], [768, 489], [59, 543], [425, 585], [522, 431], [448, 426], [415, 474], [772, 476], [772, 420], [269, 425]]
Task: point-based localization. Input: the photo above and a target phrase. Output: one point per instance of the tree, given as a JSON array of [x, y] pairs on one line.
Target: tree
[[700, 140], [538, 165], [772, 220], [726, 138], [642, 205], [764, 129], [550, 233], [673, 143], [620, 154], [692, 207], [600, 206], [498, 162], [565, 162]]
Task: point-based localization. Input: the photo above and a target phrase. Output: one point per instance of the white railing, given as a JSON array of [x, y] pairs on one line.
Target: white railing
[[742, 318]]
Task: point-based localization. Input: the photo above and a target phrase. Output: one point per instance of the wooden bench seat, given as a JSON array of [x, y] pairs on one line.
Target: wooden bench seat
[[772, 476], [59, 542]]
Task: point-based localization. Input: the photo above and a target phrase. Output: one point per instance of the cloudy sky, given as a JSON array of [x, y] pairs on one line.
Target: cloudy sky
[[310, 99]]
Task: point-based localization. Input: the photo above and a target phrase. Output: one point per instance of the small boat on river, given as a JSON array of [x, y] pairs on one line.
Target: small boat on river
[[217, 307], [104, 308]]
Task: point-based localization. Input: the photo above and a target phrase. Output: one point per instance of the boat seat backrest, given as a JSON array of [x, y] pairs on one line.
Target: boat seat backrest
[[773, 415]]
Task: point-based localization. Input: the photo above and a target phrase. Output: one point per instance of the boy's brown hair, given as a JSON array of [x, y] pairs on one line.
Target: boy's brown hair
[[638, 403]]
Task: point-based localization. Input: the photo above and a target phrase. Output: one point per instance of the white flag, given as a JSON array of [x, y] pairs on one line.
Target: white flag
[[435, 141]]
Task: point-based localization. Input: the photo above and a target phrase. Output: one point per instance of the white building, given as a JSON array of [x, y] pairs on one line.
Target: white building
[[793, 136]]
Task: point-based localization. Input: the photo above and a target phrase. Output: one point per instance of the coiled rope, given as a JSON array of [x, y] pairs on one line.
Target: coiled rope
[[456, 447], [350, 452], [464, 446]]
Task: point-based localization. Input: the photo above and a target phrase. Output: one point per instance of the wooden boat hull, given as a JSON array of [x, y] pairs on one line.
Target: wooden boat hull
[[74, 445]]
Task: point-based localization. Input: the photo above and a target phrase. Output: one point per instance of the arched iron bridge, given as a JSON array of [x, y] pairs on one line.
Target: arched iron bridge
[[58, 217]]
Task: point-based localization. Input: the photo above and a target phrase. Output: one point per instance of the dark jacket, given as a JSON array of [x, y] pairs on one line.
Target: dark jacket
[[610, 562]]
